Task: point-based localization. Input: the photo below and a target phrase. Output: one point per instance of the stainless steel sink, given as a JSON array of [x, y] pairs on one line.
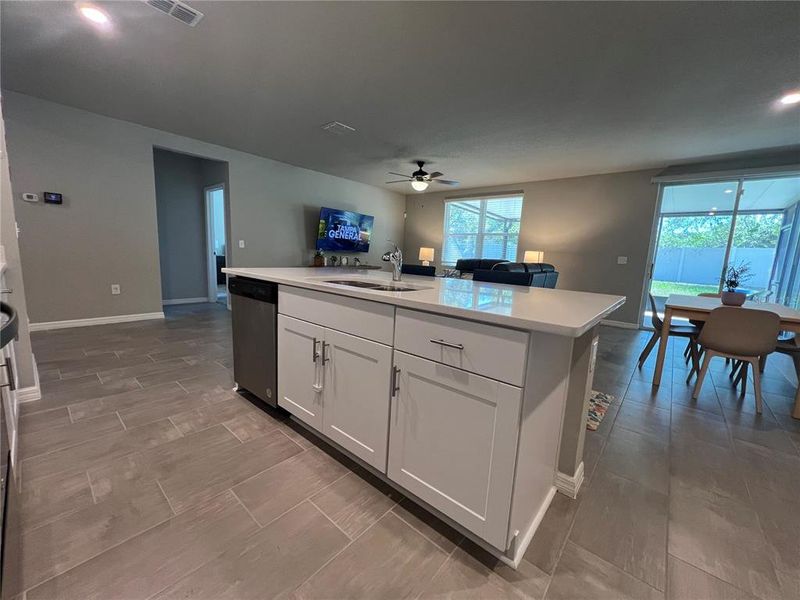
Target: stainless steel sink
[[371, 285]]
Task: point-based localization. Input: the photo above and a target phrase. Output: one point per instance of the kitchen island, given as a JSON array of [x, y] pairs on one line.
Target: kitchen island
[[469, 397]]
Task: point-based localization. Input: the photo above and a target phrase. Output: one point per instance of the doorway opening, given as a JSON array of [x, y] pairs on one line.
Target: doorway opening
[[216, 243], [703, 228]]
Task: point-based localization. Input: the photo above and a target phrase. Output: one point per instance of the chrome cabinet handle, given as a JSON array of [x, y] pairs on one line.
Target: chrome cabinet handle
[[314, 353], [10, 375], [325, 357], [448, 344], [395, 381], [6, 291]]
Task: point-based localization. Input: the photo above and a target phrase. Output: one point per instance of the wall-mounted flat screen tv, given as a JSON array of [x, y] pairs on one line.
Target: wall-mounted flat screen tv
[[344, 230]]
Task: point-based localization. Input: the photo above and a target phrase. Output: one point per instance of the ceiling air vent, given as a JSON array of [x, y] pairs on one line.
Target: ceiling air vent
[[337, 128], [183, 12]]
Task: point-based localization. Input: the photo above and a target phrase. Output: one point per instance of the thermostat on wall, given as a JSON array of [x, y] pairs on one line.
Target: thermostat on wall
[[53, 198], [28, 197]]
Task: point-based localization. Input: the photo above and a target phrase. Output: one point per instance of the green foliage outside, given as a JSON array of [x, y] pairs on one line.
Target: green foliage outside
[[707, 231], [665, 288]]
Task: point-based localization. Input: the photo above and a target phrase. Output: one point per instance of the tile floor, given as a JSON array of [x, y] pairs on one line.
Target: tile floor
[[144, 476]]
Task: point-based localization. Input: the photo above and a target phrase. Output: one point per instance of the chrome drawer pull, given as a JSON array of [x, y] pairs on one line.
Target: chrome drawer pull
[[395, 381], [325, 357], [314, 353], [448, 344]]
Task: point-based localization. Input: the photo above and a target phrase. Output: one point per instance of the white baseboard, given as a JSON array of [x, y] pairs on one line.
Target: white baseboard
[[620, 324], [570, 485], [95, 321], [185, 301], [521, 543], [33, 392]]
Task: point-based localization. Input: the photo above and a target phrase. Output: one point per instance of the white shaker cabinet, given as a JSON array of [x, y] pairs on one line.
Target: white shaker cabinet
[[453, 443], [356, 393], [338, 384], [299, 369]]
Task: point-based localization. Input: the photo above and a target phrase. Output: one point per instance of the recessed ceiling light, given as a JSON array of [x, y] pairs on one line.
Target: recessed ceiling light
[[729, 191], [792, 98], [94, 14]]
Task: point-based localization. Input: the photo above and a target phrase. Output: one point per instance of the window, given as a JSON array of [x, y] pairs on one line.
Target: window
[[481, 228]]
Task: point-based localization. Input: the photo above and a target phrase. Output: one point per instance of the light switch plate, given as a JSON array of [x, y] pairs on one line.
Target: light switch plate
[[241, 243], [622, 260], [115, 289]]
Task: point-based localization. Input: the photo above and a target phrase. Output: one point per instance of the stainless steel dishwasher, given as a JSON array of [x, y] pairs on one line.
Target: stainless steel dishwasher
[[254, 305]]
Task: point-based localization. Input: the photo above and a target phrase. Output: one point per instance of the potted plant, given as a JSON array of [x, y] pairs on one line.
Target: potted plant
[[736, 275]]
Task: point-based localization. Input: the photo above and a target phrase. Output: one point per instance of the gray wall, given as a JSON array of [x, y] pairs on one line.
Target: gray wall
[[106, 231], [13, 273], [180, 180], [582, 224]]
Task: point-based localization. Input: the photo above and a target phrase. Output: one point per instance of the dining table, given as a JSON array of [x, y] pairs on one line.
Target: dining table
[[697, 308]]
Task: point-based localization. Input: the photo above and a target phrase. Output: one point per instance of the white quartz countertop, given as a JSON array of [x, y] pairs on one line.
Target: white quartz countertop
[[561, 312]]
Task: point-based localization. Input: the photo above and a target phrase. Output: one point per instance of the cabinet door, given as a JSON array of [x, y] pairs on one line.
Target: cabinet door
[[452, 442], [357, 377], [299, 369]]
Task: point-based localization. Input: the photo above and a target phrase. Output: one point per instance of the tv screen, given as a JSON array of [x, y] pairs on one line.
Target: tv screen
[[343, 230]]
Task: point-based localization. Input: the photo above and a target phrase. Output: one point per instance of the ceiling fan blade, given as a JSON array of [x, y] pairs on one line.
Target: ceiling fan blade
[[400, 174], [446, 181], [435, 174], [399, 181]]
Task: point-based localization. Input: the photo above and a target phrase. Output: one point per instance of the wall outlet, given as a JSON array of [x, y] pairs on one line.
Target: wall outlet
[[241, 243], [622, 260], [115, 289]]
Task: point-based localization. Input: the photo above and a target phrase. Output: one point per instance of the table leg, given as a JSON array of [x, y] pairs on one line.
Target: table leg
[[662, 346]]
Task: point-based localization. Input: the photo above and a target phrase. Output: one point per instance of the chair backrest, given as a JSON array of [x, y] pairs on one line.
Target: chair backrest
[[551, 278], [740, 331], [418, 270], [508, 277], [655, 319]]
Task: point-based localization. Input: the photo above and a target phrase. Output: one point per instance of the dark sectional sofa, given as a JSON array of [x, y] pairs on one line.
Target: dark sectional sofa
[[544, 274]]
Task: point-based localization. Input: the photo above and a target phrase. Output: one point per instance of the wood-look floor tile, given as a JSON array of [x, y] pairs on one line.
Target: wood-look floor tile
[[200, 479], [354, 504], [581, 575], [638, 457], [100, 450], [142, 368], [57, 438], [695, 425], [548, 541], [272, 562], [87, 390], [720, 536], [165, 407], [250, 425], [648, 420], [686, 582], [273, 492], [63, 543], [775, 471], [712, 467], [210, 413], [132, 399], [625, 523], [45, 499], [431, 527], [472, 573], [643, 392], [37, 421], [780, 522], [180, 373], [762, 430], [706, 401], [155, 559], [220, 377], [390, 560]]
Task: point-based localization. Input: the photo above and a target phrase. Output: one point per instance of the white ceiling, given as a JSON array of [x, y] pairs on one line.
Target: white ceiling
[[492, 92]]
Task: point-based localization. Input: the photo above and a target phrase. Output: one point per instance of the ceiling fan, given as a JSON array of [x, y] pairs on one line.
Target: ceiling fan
[[421, 179]]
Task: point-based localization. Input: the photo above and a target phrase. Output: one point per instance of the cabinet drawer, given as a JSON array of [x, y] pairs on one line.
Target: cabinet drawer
[[362, 318], [492, 351]]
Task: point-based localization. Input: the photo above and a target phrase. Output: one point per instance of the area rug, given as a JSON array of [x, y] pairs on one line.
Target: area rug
[[598, 405]]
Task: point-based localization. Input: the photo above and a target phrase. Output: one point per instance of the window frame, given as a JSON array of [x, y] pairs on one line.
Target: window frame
[[481, 232]]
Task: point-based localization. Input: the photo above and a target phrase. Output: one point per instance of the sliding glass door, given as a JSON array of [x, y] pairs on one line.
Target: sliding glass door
[[703, 228]]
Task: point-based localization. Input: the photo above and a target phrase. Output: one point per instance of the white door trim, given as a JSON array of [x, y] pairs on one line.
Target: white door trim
[[211, 265]]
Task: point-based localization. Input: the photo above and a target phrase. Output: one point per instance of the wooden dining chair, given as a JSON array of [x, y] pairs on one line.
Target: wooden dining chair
[[684, 331], [740, 334]]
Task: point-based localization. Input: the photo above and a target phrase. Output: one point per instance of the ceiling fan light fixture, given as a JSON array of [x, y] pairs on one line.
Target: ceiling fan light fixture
[[418, 185]]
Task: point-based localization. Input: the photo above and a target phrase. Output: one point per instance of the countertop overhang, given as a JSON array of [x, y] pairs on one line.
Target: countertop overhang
[[561, 312]]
